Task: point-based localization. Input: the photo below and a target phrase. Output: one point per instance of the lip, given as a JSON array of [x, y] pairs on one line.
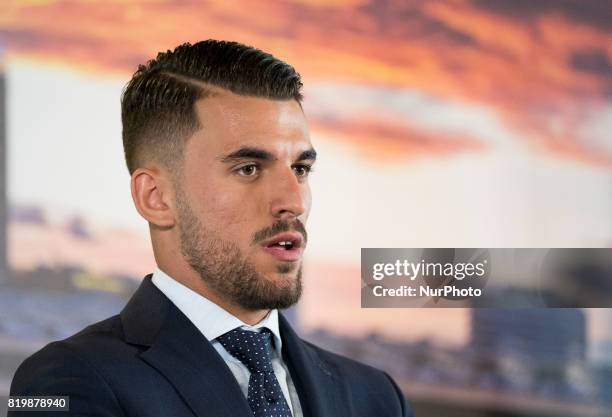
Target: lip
[[295, 237], [287, 255]]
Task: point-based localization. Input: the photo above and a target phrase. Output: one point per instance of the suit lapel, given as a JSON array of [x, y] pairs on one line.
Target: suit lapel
[[321, 389], [182, 354]]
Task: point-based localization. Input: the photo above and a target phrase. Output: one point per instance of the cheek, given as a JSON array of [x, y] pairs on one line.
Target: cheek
[[230, 215], [307, 198], [223, 210]]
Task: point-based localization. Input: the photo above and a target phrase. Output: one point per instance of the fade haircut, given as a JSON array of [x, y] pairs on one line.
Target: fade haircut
[[158, 104]]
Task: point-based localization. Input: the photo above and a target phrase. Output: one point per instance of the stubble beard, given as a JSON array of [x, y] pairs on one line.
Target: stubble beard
[[225, 270]]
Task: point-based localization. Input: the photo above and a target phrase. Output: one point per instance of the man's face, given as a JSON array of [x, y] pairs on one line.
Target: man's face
[[244, 199]]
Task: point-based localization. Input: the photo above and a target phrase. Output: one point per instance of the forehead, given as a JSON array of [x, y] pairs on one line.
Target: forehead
[[229, 120]]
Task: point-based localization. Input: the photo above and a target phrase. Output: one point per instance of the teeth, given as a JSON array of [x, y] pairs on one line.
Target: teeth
[[284, 243]]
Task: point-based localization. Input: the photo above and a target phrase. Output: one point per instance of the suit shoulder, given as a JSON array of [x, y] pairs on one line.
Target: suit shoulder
[[344, 363], [67, 367], [369, 386], [73, 355], [109, 326]]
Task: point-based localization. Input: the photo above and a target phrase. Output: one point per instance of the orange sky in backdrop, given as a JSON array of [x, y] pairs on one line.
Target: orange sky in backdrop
[[542, 66]]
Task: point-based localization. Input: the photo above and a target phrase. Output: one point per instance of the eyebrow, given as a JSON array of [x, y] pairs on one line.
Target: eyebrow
[[248, 152], [261, 154], [308, 154]]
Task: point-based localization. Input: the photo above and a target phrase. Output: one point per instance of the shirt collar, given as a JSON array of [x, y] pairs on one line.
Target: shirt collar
[[210, 319]]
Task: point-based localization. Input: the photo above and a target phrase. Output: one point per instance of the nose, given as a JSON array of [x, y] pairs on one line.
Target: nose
[[288, 196]]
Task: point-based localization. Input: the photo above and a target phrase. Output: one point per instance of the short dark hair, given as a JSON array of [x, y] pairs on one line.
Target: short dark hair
[[158, 104]]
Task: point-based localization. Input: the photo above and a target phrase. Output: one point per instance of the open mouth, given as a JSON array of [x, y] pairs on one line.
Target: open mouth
[[286, 240], [285, 246]]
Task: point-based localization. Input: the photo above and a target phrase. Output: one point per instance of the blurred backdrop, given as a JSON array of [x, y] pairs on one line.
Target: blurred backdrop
[[451, 123]]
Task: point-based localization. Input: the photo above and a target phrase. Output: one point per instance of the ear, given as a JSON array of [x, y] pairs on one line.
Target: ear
[[151, 193]]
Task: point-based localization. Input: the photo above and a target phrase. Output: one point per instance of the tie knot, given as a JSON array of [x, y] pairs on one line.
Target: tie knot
[[251, 348]]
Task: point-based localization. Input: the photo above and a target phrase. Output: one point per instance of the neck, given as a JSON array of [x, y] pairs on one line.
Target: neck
[[196, 284], [250, 317]]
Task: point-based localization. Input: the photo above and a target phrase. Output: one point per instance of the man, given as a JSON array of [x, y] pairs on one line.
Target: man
[[219, 154]]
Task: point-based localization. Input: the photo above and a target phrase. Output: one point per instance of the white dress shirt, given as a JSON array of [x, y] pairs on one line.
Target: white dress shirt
[[213, 321]]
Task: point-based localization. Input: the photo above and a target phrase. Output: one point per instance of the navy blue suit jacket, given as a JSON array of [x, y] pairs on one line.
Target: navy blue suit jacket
[[151, 361]]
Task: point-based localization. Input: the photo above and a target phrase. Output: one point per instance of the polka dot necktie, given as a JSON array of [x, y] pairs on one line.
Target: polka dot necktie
[[254, 350]]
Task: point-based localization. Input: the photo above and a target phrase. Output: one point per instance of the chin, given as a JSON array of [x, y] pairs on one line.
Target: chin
[[275, 269], [281, 278], [288, 268]]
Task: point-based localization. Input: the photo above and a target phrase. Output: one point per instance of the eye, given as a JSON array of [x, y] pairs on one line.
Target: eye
[[302, 170], [249, 170]]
